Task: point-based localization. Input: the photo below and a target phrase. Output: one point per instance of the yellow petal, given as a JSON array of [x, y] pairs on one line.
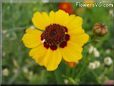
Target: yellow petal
[[31, 38], [75, 30], [46, 57], [54, 60], [77, 21], [72, 52], [79, 39], [52, 16], [70, 19], [61, 17], [38, 54], [41, 20]]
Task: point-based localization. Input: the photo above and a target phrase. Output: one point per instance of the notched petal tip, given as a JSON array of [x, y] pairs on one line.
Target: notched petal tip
[[62, 12], [36, 13], [51, 69], [86, 38], [80, 19]]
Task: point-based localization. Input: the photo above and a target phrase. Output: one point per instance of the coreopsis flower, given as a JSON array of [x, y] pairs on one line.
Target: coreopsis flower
[[55, 37], [66, 6]]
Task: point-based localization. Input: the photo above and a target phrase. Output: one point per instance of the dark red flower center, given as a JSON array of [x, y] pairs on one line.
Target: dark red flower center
[[54, 36]]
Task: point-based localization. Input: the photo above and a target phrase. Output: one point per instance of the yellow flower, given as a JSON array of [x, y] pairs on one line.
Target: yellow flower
[[60, 37]]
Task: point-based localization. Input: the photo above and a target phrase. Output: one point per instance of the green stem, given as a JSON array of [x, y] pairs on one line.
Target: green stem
[[20, 28], [58, 77], [72, 80], [83, 67], [96, 77]]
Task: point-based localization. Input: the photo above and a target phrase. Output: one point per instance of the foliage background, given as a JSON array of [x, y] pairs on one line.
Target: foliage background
[[19, 68]]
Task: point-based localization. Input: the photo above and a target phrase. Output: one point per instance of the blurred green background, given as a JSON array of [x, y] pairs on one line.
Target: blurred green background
[[19, 68]]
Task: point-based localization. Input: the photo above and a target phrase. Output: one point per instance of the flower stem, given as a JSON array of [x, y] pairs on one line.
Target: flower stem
[[83, 66]]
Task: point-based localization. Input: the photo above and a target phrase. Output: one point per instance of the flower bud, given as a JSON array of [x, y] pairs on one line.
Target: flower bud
[[97, 64], [5, 72], [91, 49], [100, 29], [92, 66], [71, 64], [96, 53], [108, 61], [66, 81]]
